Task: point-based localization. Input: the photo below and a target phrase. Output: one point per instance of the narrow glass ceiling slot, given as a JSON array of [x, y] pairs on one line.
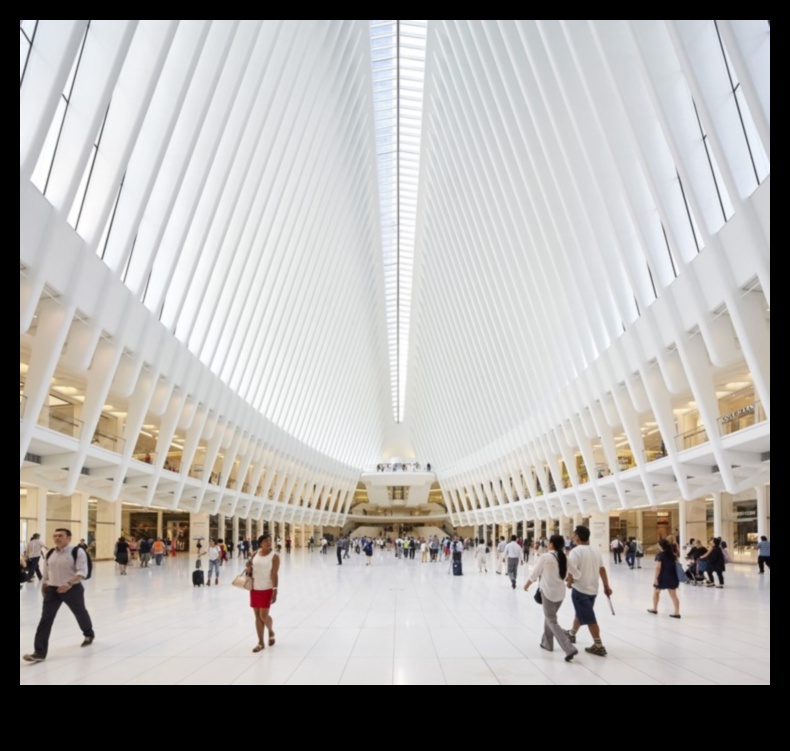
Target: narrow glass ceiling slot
[[398, 57]]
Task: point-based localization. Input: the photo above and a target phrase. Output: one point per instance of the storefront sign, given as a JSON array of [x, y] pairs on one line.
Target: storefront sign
[[747, 410]]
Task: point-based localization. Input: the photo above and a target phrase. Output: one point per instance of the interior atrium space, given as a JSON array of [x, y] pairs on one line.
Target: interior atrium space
[[341, 338]]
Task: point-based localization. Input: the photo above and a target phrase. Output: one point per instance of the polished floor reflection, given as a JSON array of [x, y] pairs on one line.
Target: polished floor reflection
[[395, 622]]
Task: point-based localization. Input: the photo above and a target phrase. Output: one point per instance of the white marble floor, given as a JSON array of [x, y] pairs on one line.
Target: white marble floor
[[395, 622]]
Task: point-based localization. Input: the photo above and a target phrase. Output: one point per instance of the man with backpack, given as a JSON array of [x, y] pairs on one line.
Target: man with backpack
[[65, 567]]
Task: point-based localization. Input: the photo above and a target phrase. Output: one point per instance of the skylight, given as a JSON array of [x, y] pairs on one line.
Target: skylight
[[398, 56]]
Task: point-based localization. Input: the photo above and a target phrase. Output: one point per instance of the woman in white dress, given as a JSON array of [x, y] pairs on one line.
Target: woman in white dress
[[550, 570], [263, 567], [481, 555]]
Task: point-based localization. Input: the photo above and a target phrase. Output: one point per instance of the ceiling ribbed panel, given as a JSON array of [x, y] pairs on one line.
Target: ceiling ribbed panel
[[571, 172], [232, 187], [215, 265]]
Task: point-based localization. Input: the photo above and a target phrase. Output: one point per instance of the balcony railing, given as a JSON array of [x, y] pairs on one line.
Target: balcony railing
[[62, 423], [694, 437], [108, 441]]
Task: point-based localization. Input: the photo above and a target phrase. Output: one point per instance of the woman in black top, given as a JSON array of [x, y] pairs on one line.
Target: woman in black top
[[122, 554], [715, 560], [666, 577]]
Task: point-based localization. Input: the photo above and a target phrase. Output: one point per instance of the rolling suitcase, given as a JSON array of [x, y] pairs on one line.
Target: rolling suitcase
[[458, 569], [198, 578]]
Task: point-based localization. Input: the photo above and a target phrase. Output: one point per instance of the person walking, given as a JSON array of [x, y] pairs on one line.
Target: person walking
[[585, 566], [144, 547], [550, 573], [121, 554], [339, 549], [214, 554], [500, 555], [665, 577], [264, 568], [63, 570], [763, 554], [513, 554], [33, 554], [481, 556], [617, 550], [714, 559], [368, 552], [639, 552], [630, 552], [158, 550]]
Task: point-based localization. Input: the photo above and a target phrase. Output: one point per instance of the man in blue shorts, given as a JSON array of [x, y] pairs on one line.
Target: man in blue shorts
[[585, 565]]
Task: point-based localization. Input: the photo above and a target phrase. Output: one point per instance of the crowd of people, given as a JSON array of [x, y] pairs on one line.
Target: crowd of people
[[562, 564], [402, 467]]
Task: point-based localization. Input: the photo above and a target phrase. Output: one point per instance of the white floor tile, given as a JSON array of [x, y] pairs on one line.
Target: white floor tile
[[367, 671], [418, 671], [396, 622], [470, 671], [317, 671]]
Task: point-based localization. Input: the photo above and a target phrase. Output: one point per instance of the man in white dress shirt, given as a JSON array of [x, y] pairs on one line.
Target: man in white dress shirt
[[64, 568], [513, 557], [500, 555]]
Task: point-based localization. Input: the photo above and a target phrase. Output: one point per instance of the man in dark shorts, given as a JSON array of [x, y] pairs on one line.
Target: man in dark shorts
[[585, 565]]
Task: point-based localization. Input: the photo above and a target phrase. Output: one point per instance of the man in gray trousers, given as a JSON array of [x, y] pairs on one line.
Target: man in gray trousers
[[513, 553]]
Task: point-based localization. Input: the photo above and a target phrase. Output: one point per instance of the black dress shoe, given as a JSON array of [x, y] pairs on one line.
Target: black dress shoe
[[34, 657], [87, 641]]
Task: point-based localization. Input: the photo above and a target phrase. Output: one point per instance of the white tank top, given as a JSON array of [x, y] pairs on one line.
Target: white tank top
[[262, 570]]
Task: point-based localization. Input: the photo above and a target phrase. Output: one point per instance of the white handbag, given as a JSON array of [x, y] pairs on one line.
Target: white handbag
[[242, 581]]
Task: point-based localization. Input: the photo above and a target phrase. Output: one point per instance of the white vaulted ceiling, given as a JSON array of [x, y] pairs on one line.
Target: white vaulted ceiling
[[525, 241]]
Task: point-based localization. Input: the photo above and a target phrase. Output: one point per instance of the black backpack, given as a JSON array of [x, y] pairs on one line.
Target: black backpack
[[74, 556]]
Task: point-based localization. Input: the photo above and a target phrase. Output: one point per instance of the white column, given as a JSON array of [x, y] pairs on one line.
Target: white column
[[718, 521], [235, 530], [33, 506], [696, 521], [599, 533], [682, 521], [108, 527], [640, 525], [763, 516], [221, 526], [198, 527], [41, 513], [159, 519], [248, 528], [79, 514], [117, 514]]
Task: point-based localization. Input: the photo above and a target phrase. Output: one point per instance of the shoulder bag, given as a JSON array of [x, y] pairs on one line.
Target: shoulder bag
[[242, 581]]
